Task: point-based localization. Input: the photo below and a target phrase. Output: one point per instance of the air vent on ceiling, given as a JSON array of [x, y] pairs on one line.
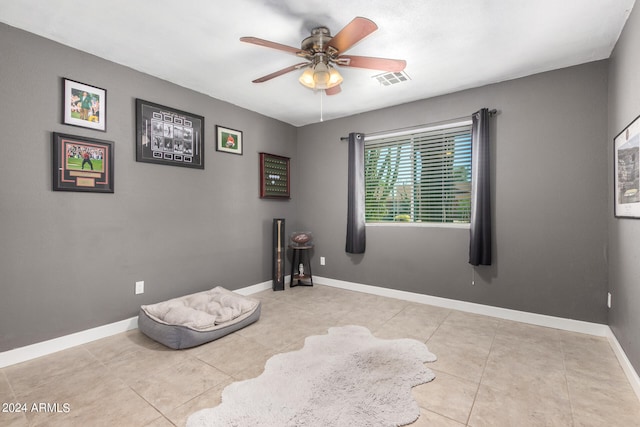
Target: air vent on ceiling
[[392, 78]]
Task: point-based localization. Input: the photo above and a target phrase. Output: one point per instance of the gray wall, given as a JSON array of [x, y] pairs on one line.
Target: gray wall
[[68, 261], [549, 194], [624, 234]]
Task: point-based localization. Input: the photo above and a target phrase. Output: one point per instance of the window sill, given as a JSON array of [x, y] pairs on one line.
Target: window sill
[[419, 224]]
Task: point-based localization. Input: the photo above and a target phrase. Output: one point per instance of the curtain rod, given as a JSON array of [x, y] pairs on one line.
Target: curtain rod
[[492, 112]]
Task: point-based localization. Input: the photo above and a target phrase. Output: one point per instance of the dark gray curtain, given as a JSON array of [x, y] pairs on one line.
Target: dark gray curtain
[[480, 242], [356, 234]]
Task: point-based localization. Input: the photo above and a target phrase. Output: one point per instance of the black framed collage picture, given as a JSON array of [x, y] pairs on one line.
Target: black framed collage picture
[[168, 136]]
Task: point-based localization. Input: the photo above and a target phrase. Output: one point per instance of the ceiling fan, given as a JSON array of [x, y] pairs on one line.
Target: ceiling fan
[[323, 52]]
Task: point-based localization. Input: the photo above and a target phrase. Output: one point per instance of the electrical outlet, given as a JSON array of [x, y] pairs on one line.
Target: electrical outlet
[[140, 287], [609, 299], [322, 260]]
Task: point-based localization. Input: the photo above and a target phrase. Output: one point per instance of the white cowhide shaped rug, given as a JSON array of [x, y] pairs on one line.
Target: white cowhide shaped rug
[[345, 378]]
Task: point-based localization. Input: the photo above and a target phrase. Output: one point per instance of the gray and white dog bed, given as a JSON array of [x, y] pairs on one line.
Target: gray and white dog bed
[[197, 318]]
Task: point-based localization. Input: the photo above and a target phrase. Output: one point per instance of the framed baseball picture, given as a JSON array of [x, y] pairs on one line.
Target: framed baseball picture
[[168, 136], [228, 140], [84, 105], [82, 164], [626, 166]]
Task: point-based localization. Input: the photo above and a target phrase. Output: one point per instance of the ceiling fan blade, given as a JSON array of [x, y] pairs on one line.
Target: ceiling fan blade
[[272, 45], [352, 33], [333, 90], [382, 64], [281, 72]]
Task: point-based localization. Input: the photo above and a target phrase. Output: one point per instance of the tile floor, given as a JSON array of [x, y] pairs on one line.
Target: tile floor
[[490, 372]]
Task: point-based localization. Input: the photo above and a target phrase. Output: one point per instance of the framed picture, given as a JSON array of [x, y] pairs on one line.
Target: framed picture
[[274, 177], [167, 136], [626, 157], [82, 164], [228, 140], [84, 105]]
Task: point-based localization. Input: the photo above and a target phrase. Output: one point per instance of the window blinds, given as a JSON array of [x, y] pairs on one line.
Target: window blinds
[[421, 175]]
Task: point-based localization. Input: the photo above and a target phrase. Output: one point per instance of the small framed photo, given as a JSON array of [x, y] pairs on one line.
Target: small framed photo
[[626, 166], [274, 177], [168, 136], [228, 140], [84, 105], [82, 164]]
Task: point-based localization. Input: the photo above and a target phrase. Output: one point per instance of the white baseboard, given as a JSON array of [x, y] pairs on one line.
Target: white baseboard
[[22, 354], [628, 369], [502, 313], [589, 328], [259, 287]]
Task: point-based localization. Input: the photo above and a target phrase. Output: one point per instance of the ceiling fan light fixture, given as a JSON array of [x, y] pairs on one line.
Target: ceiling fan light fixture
[[321, 76], [334, 78], [307, 78]]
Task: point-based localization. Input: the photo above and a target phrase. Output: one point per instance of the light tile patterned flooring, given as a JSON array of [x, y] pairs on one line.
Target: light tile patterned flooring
[[490, 372]]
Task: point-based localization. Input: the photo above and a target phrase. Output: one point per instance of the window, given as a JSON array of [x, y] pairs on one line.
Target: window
[[419, 175]]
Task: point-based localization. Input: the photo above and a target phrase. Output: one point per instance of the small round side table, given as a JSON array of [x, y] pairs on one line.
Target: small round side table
[[301, 257]]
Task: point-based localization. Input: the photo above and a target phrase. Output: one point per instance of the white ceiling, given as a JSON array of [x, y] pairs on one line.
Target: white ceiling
[[448, 45]]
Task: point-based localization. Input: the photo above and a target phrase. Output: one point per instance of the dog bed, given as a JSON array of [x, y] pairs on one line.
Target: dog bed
[[198, 318]]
